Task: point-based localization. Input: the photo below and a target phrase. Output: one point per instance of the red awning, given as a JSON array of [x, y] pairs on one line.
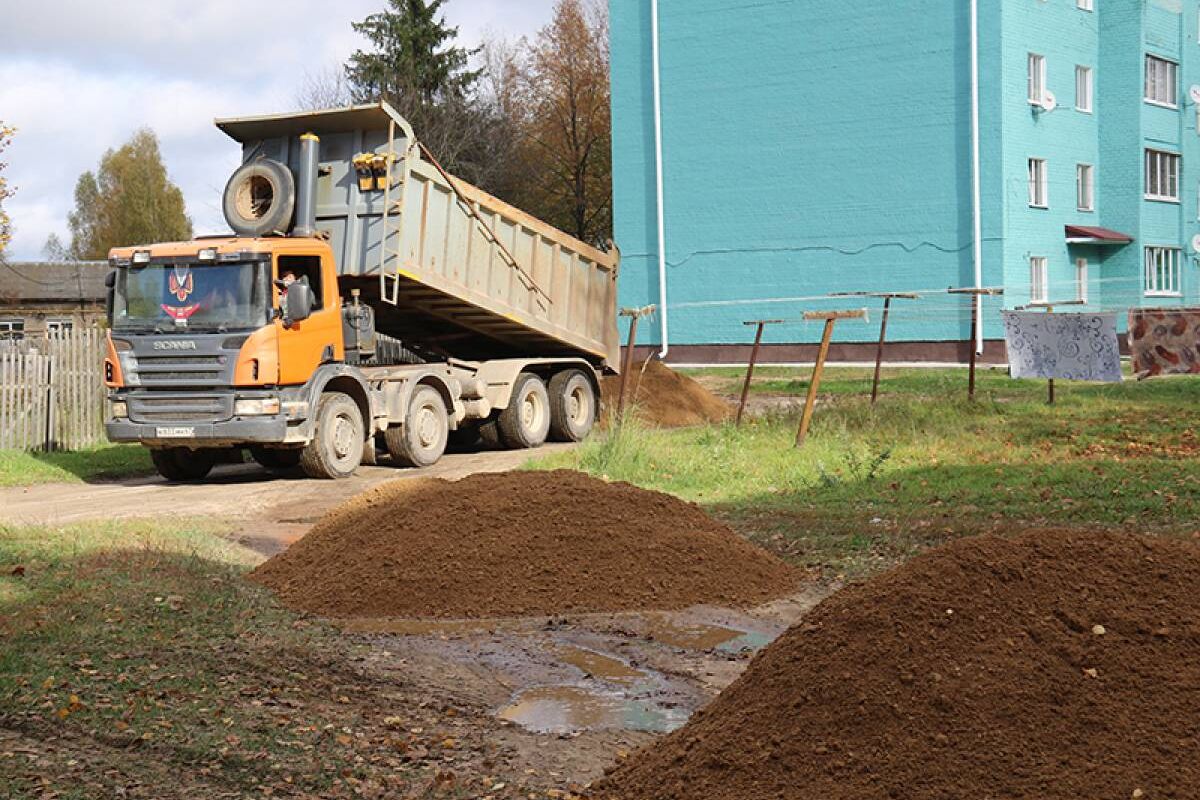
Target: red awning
[[1086, 234]]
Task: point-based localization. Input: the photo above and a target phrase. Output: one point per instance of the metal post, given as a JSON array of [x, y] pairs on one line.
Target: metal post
[[818, 368], [750, 368], [975, 301], [887, 303], [627, 366], [1050, 382]]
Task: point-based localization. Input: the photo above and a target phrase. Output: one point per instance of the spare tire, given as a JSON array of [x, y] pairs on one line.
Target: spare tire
[[260, 198]]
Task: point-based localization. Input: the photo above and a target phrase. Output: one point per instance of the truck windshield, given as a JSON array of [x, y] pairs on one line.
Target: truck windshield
[[198, 297]]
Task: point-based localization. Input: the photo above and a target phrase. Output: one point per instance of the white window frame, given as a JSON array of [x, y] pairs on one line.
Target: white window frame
[[1084, 88], [1037, 78], [1162, 168], [60, 325], [1161, 85], [12, 329], [1085, 5], [1081, 280], [1085, 187], [1039, 275], [1162, 271], [1039, 189]]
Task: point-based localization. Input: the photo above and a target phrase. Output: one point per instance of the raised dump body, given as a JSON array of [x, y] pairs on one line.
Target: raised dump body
[[450, 270]]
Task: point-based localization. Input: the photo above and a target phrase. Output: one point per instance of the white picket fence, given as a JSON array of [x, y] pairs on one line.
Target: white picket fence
[[52, 391]]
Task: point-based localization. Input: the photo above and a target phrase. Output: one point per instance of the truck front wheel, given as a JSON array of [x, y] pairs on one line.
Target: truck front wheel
[[182, 464], [421, 440], [526, 421], [572, 406], [336, 449]]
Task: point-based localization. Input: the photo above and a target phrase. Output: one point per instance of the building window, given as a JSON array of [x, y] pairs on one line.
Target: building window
[[1083, 89], [1160, 81], [1037, 279], [1085, 192], [1162, 176], [1085, 5], [1081, 279], [59, 325], [1037, 79], [1038, 195], [12, 330], [1162, 271]]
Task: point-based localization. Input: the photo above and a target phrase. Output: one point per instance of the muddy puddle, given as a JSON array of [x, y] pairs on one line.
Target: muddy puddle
[[568, 709], [638, 673]]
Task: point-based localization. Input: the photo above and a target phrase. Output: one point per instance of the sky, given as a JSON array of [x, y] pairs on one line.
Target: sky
[[78, 77]]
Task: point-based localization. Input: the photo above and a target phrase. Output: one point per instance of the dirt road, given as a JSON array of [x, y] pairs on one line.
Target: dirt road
[[267, 512]]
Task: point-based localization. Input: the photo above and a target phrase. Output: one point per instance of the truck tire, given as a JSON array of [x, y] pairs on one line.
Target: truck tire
[[421, 440], [572, 406], [260, 198], [336, 448], [276, 459], [181, 464], [526, 421]]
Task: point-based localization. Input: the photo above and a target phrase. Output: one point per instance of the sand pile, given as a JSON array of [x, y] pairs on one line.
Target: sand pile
[[518, 543], [1057, 666], [662, 397]]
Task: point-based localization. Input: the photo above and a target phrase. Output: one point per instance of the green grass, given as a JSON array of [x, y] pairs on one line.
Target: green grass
[[136, 653], [19, 468], [873, 485]]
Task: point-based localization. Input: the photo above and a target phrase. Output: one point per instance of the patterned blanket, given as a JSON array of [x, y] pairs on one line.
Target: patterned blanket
[[1164, 341], [1076, 347]]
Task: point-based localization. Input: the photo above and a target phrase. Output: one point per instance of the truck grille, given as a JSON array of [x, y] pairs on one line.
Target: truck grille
[[181, 371], [180, 408]]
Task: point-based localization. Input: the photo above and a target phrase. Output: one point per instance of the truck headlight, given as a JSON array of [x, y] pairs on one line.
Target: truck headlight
[[255, 406], [119, 409]]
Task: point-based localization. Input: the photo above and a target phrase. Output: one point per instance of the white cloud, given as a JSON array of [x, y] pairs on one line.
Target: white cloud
[[77, 77]]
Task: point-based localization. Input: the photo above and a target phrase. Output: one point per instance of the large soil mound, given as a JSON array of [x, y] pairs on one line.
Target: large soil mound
[[518, 543], [1057, 666], [660, 396]]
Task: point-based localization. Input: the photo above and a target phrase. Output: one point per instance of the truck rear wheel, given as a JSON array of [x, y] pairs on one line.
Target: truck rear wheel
[[336, 449], [421, 440], [572, 406], [526, 421], [182, 464], [276, 459]]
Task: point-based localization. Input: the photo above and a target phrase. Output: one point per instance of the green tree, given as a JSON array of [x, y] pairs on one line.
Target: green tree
[[129, 200], [414, 61], [6, 191], [415, 64]]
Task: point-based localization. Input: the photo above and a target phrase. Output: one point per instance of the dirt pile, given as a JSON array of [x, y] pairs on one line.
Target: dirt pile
[[1056, 666], [518, 543], [664, 398]]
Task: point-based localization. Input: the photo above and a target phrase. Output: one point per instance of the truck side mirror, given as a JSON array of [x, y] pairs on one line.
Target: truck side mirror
[[298, 304], [110, 289]]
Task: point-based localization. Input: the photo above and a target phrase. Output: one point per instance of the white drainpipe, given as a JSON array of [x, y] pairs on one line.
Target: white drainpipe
[[658, 179], [975, 179]]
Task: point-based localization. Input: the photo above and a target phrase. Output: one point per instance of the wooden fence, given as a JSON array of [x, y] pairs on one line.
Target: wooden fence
[[52, 391]]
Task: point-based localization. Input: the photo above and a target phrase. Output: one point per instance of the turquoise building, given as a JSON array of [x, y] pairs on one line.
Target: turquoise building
[[813, 148]]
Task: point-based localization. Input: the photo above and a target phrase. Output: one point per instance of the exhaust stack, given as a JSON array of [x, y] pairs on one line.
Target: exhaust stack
[[306, 186]]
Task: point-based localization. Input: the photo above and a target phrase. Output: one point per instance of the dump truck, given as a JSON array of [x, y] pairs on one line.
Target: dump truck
[[367, 301]]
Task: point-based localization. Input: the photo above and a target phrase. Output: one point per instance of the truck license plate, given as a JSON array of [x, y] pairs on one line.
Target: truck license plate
[[174, 433]]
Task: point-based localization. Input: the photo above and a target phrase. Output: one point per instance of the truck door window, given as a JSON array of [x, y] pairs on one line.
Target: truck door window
[[308, 268]]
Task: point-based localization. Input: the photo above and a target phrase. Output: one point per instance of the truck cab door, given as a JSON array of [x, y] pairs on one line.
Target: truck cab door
[[306, 344]]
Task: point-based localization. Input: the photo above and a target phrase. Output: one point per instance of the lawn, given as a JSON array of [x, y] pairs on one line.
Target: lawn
[[136, 661], [874, 484], [109, 462]]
